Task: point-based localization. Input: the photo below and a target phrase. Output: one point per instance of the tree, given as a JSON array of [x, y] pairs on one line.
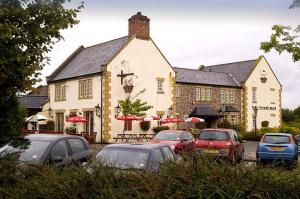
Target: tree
[[288, 115], [133, 106], [284, 38], [28, 30]]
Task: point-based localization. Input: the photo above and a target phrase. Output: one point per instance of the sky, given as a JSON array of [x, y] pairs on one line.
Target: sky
[[191, 33]]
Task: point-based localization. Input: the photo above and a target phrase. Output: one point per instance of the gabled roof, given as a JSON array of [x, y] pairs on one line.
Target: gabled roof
[[194, 76], [88, 61], [33, 101], [240, 70]]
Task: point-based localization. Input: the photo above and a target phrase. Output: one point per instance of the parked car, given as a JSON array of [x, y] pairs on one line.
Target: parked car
[[40, 149], [135, 156], [297, 138], [177, 140], [277, 147], [220, 143]]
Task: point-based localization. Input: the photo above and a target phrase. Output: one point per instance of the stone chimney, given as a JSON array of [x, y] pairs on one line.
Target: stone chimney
[[139, 26]]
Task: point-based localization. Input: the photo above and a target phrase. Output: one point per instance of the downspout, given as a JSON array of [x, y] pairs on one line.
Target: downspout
[[101, 113]]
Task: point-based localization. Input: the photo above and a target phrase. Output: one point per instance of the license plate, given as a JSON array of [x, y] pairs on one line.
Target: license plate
[[276, 148], [211, 151]]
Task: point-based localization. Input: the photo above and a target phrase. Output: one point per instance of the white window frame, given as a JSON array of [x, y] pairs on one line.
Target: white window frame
[[160, 86], [254, 95], [85, 90], [198, 94], [60, 92]]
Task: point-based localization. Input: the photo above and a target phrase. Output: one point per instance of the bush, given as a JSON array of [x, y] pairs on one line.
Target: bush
[[265, 123], [145, 125], [196, 177], [240, 128], [70, 130], [250, 136], [50, 125], [200, 125], [225, 124], [268, 130], [290, 130], [160, 128]]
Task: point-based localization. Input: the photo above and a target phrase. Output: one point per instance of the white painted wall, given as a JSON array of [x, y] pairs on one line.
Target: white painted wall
[[265, 96], [73, 102], [143, 59]]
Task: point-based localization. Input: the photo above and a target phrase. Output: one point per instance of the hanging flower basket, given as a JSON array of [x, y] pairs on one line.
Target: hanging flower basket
[[128, 88], [263, 79]]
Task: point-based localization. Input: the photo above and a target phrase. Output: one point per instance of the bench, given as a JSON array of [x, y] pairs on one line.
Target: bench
[[145, 136], [126, 137]]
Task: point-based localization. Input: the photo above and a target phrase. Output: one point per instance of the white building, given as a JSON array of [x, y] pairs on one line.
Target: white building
[[96, 75]]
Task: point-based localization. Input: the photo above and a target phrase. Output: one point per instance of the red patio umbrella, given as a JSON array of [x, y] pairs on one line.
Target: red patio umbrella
[[150, 118], [127, 117], [194, 119], [77, 118], [171, 120]]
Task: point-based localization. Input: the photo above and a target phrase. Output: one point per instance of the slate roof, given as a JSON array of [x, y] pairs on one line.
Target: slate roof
[[33, 101], [204, 111], [88, 61], [203, 77], [239, 70]]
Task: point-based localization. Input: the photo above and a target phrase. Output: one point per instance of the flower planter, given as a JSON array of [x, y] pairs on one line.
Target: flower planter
[[128, 88]]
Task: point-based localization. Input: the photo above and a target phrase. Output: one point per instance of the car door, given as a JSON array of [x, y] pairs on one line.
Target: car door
[[238, 147], [60, 154], [191, 141], [79, 150], [156, 159], [184, 141]]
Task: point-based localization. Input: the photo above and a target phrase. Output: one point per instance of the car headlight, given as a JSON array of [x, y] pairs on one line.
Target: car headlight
[[173, 146]]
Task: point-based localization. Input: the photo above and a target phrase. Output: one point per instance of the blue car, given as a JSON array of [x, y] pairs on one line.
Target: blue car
[[277, 147]]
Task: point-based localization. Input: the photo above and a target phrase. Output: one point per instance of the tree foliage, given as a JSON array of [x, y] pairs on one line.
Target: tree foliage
[[134, 106], [284, 38], [28, 30]]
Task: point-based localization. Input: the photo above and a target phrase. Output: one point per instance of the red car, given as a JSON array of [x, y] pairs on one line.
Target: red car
[[177, 140], [220, 143]]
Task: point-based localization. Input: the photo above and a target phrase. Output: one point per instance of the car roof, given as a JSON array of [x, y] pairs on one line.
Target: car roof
[[283, 134], [172, 131], [216, 129], [48, 137], [145, 146]]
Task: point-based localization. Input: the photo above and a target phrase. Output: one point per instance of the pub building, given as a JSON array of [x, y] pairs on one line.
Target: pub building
[[245, 92]]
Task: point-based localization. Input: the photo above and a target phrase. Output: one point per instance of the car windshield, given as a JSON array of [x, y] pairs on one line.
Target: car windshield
[[123, 158], [171, 136], [27, 150], [276, 139], [213, 135]]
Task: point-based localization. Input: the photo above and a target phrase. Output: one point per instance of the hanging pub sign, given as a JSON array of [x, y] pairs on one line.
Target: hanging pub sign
[[266, 108]]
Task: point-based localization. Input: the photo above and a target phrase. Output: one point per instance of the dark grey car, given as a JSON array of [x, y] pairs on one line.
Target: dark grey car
[[59, 150], [135, 156]]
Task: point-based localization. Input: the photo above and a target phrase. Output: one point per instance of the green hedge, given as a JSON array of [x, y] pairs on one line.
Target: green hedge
[[194, 178], [160, 128]]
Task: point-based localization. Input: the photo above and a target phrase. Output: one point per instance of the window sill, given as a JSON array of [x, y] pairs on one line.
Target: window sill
[[254, 102], [160, 92], [59, 100], [82, 98]]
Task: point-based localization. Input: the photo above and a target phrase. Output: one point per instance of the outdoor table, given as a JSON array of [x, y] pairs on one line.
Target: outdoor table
[[126, 137], [145, 136]]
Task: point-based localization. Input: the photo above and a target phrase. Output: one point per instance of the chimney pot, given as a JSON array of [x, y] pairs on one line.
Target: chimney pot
[[139, 26]]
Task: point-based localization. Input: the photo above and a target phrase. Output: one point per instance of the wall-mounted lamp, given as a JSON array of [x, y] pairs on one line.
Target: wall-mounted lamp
[[117, 110], [50, 112], [170, 111], [98, 110]]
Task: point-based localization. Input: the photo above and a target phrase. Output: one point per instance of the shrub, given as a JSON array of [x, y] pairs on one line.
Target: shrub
[[290, 130], [50, 125], [70, 130], [250, 136], [268, 130], [225, 124], [240, 128], [200, 125], [160, 128], [265, 123], [145, 125]]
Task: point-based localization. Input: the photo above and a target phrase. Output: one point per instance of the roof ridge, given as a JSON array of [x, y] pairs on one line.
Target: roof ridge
[[231, 63], [201, 70], [105, 42]]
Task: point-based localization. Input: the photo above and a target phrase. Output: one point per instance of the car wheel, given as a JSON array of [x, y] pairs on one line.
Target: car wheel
[[233, 159]]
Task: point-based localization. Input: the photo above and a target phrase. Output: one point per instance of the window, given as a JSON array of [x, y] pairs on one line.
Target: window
[[225, 118], [231, 95], [85, 89], [128, 125], [177, 92], [191, 137], [89, 116], [59, 150], [184, 136], [168, 153], [198, 94], [160, 86], [59, 121], [203, 94], [157, 158], [76, 145], [254, 98], [227, 96], [60, 92], [233, 119]]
